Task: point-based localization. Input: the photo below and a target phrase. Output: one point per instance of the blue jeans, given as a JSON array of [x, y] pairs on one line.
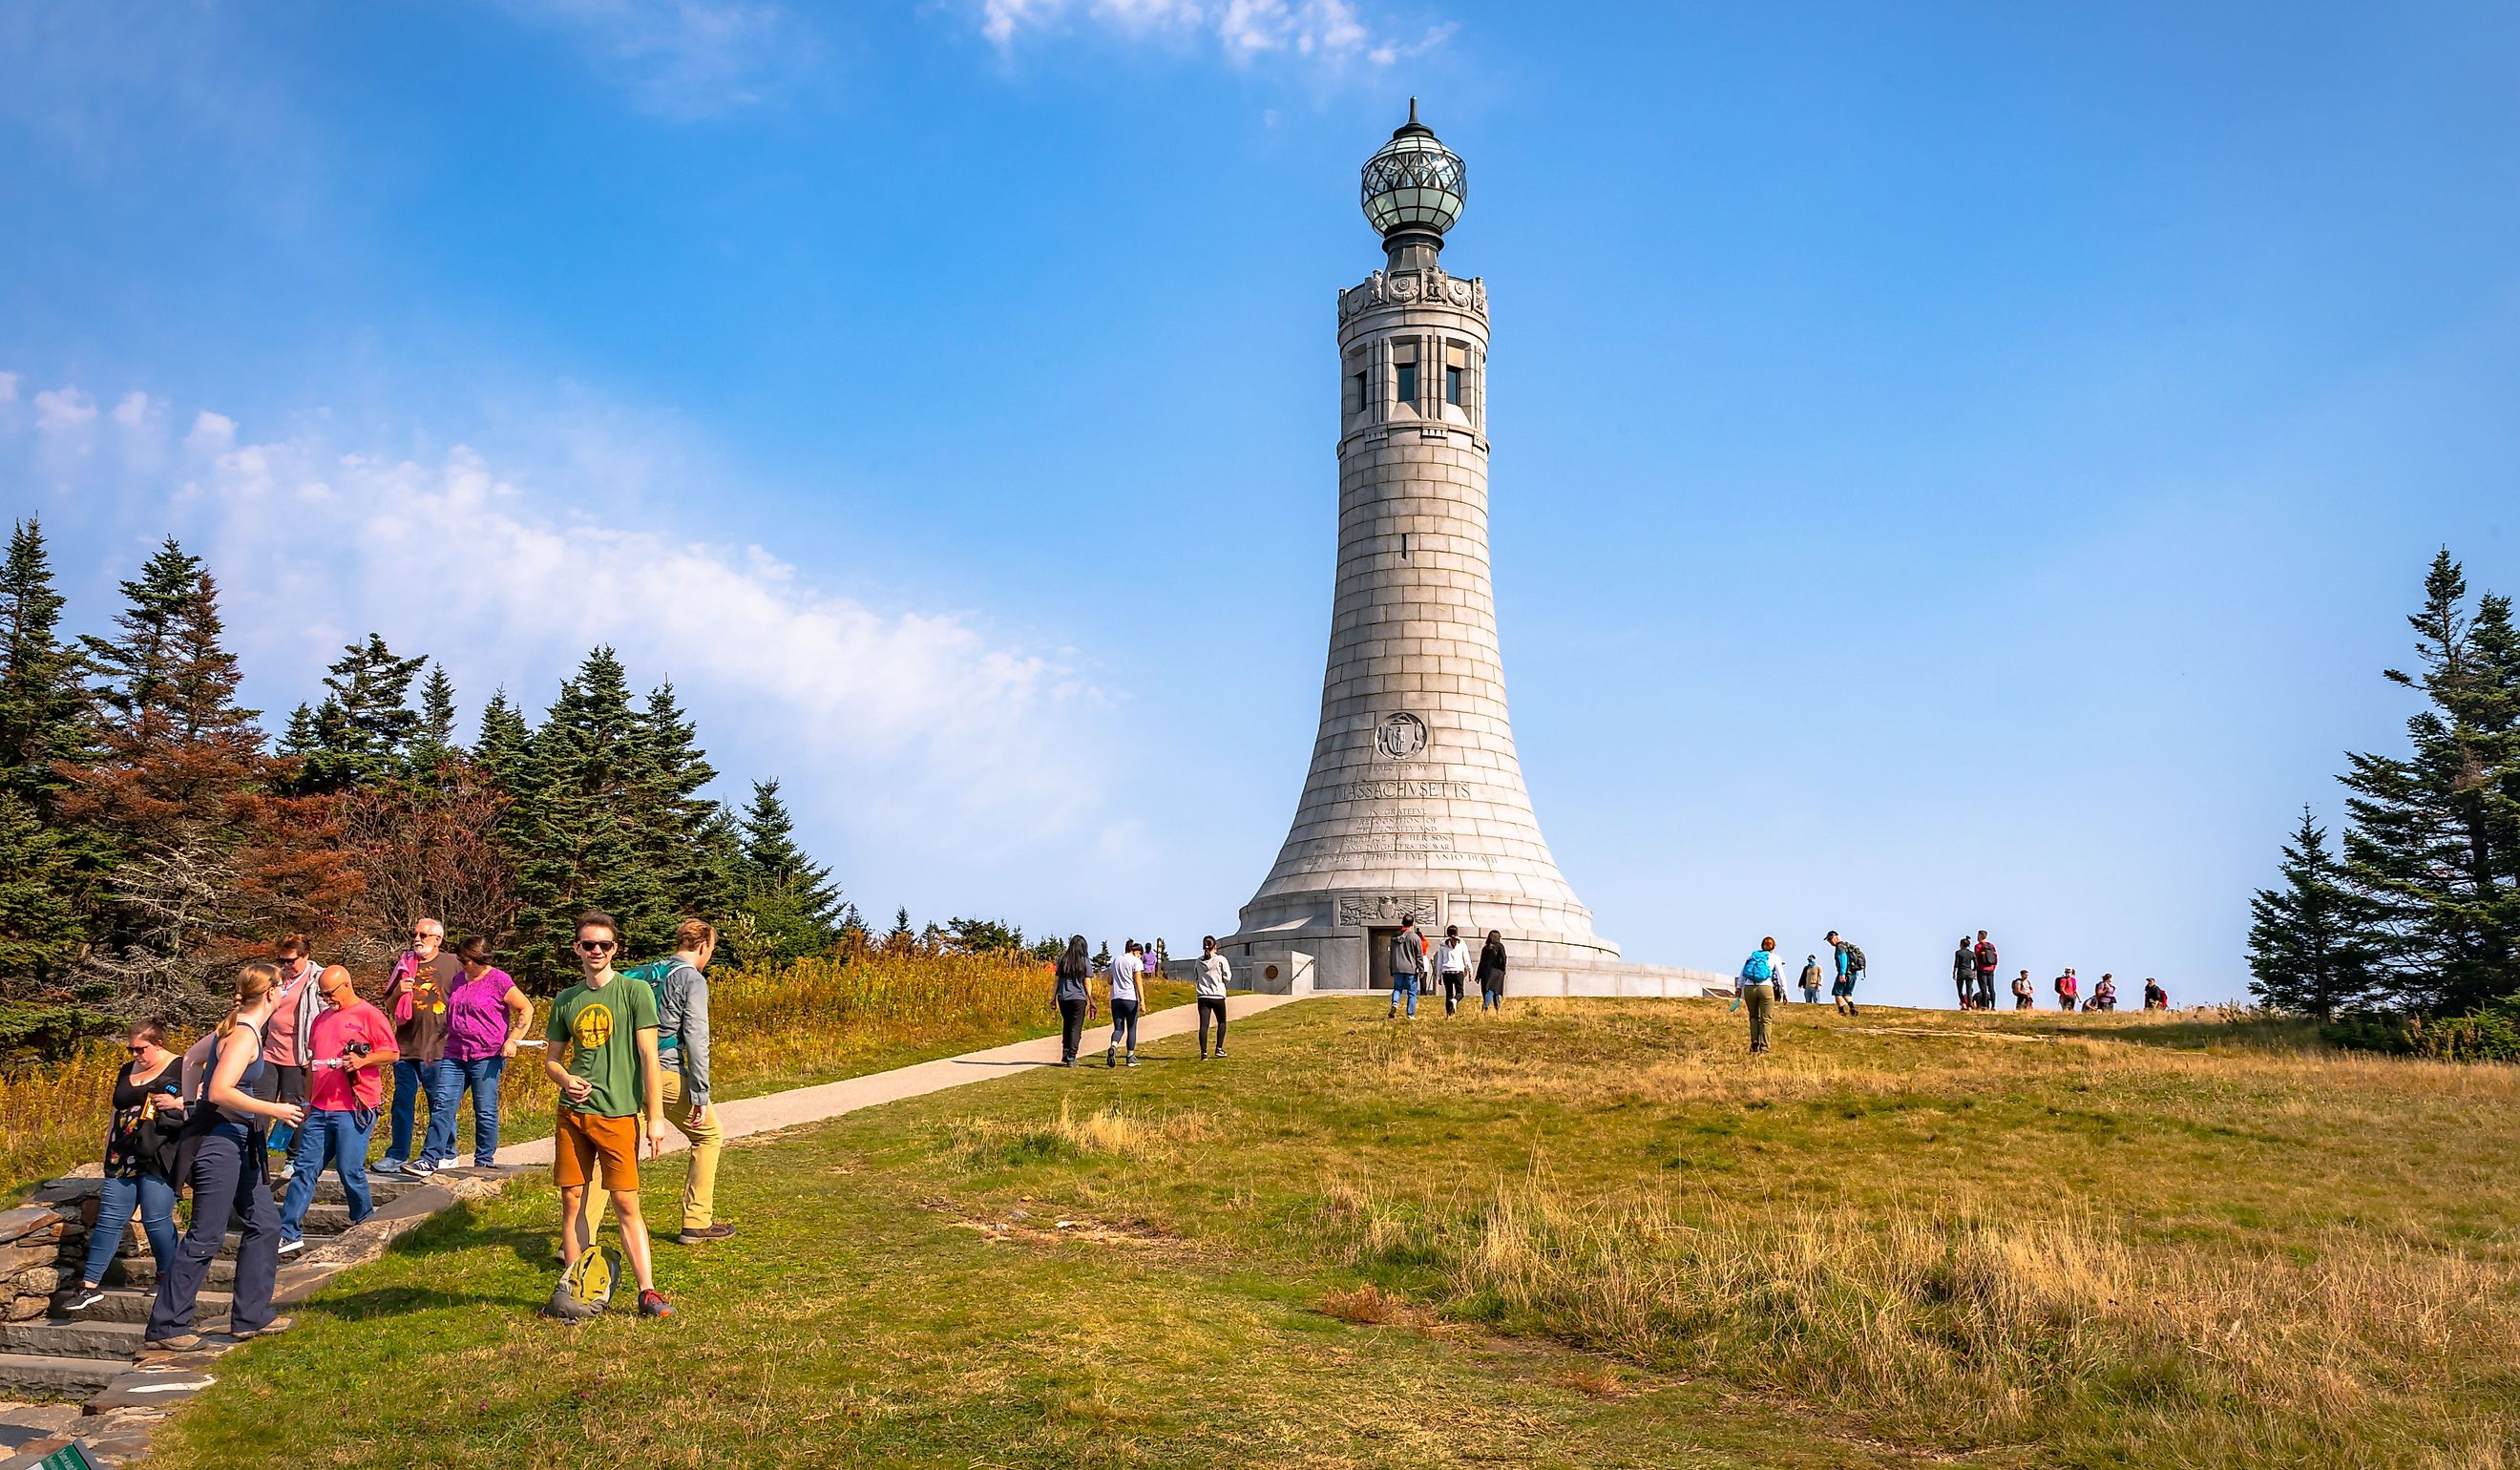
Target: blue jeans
[[444, 1082], [333, 1138], [154, 1199], [1404, 987], [1491, 1000], [482, 1077]]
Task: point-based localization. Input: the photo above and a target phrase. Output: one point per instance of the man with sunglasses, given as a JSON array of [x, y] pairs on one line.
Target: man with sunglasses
[[422, 979], [602, 1058], [347, 1044]]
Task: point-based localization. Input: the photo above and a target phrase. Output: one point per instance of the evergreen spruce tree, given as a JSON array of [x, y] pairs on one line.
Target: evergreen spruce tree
[[499, 750], [685, 836], [2312, 946], [433, 741], [39, 933], [579, 831], [365, 724], [44, 715], [2435, 840], [794, 907]]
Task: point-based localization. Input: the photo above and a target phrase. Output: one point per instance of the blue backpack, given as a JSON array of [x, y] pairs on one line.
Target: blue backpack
[[654, 972]]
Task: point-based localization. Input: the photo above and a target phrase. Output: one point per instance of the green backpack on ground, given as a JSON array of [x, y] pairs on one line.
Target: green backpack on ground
[[654, 972]]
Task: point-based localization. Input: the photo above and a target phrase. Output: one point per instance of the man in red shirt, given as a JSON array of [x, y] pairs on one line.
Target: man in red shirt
[[347, 1046]]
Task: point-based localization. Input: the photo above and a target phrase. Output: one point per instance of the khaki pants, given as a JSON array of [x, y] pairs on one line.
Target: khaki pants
[[1761, 999], [699, 1189]]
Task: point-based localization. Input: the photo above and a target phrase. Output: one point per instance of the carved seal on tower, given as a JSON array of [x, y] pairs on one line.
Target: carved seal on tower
[[1364, 909], [1400, 736]]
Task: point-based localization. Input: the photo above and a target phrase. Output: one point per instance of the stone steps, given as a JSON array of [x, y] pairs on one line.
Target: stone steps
[[210, 1308], [48, 1376], [117, 1341]]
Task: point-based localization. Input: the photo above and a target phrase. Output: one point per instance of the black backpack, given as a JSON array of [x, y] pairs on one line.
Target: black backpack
[[1853, 957]]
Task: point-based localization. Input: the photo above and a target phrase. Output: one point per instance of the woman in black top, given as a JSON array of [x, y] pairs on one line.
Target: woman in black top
[[1492, 972], [149, 1089], [1075, 997]]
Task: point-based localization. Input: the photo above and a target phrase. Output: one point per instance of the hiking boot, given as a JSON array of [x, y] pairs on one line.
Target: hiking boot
[[181, 1342], [653, 1303], [276, 1325], [705, 1235]]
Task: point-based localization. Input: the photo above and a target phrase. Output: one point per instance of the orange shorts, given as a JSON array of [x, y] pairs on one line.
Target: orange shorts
[[585, 1138]]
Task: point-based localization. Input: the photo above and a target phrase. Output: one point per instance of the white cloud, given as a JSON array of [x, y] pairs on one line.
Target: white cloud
[[686, 58], [1323, 32], [212, 432], [133, 411], [64, 407], [8, 387]]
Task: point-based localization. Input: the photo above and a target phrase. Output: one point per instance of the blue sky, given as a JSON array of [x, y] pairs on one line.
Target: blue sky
[[1954, 466]]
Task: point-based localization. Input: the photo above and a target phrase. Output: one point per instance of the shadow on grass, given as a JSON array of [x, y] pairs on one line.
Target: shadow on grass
[[403, 1301], [2249, 1034]]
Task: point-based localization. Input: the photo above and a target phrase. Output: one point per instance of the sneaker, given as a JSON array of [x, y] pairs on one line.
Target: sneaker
[[1392, 1014], [420, 1168], [292, 1247], [1220, 1054], [653, 1303], [280, 1176], [705, 1235], [181, 1342], [1111, 1056], [1132, 1058], [276, 1325], [385, 1166], [88, 1296]]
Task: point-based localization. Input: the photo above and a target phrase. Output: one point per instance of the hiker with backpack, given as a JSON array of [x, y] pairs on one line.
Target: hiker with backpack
[[486, 1019], [2069, 990], [220, 1157], [345, 1045], [1850, 969], [1964, 972], [2104, 996], [1072, 987], [683, 1051], [1986, 963], [2154, 997], [602, 1058], [1758, 989], [2024, 998]]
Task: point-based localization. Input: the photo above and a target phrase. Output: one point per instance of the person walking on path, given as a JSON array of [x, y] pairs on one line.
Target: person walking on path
[[1071, 985], [147, 1100], [1126, 968], [1758, 989], [2104, 996], [1452, 967], [1850, 969], [683, 1051], [2023, 996], [1492, 972], [1810, 979], [2068, 990], [486, 1020], [1215, 977], [2154, 997], [347, 1044], [1404, 954], [296, 999], [1986, 963], [1964, 972], [608, 1083], [416, 996], [227, 1178]]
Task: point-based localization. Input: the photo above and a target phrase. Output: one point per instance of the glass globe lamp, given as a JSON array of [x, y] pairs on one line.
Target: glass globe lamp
[[1412, 192]]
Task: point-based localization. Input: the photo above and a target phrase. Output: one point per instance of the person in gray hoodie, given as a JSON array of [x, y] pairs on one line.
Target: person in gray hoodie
[[1405, 955], [1215, 974]]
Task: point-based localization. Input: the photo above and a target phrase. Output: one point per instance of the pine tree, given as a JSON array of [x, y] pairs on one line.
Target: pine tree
[[499, 750], [433, 741], [206, 863], [2312, 946], [577, 833], [44, 716], [365, 724], [687, 841], [2435, 840], [794, 907], [39, 934]]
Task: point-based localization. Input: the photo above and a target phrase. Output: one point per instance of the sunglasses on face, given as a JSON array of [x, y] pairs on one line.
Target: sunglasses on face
[[137, 1050], [596, 946], [425, 934]]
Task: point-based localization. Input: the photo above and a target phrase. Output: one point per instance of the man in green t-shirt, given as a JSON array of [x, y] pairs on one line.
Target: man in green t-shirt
[[602, 1058]]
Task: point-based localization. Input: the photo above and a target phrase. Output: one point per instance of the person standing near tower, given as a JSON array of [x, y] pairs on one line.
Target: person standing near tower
[[1492, 972], [1405, 953], [1215, 976], [1452, 967]]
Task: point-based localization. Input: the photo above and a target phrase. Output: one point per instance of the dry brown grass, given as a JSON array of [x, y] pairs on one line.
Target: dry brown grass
[[53, 1116], [982, 1142]]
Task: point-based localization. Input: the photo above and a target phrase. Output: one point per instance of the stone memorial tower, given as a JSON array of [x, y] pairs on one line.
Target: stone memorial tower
[[1414, 807]]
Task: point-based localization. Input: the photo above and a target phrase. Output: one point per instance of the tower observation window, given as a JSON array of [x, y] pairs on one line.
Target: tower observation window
[[1407, 373], [1453, 387], [1362, 393]]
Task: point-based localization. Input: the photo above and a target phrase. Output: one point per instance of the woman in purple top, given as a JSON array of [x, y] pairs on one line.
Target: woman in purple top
[[485, 1015]]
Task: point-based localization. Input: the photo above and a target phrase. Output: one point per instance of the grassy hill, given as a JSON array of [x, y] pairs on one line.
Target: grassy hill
[[1585, 1234]]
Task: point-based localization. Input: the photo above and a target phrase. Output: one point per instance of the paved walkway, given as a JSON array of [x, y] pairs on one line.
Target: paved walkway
[[773, 1111]]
